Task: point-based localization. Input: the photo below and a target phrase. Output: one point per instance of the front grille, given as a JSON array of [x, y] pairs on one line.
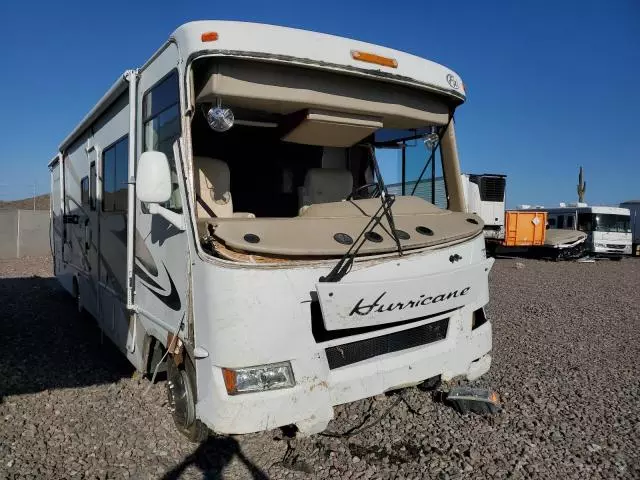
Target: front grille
[[342, 355], [614, 246], [492, 189]]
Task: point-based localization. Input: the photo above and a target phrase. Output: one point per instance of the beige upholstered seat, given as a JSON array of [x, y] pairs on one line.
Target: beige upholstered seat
[[213, 185], [325, 185]]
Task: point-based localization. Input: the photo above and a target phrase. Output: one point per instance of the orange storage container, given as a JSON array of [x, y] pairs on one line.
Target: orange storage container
[[524, 229]]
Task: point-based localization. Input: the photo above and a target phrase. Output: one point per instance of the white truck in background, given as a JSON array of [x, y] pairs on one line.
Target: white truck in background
[[608, 228], [634, 211], [485, 196]]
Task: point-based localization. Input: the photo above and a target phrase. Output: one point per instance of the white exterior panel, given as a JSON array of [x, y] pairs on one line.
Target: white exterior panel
[[294, 46], [255, 316]]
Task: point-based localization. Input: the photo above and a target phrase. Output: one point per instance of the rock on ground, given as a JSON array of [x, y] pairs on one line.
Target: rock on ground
[[566, 347]]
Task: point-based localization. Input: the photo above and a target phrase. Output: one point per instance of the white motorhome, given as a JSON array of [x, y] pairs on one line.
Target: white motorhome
[[634, 211], [608, 229], [485, 196], [221, 212]]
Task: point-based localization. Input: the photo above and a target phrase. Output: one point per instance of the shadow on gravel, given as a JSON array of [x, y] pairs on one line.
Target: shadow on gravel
[[212, 456], [46, 344]]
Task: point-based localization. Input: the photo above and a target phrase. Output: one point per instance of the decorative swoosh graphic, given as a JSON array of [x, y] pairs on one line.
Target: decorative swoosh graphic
[[145, 261], [139, 272], [172, 300]]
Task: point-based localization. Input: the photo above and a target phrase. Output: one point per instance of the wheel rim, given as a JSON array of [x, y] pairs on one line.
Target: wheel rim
[[181, 398]]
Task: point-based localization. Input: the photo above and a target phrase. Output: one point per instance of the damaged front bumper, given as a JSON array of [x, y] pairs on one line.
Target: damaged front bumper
[[465, 352]]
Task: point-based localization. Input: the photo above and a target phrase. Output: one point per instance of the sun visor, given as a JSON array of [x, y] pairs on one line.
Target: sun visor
[[331, 129]]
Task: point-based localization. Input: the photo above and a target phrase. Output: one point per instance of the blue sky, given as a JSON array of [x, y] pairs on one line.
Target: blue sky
[[551, 85]]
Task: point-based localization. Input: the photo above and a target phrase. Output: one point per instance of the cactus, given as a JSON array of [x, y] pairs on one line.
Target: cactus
[[582, 187]]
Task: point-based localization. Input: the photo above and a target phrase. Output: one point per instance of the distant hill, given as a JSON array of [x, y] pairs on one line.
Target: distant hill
[[42, 203]]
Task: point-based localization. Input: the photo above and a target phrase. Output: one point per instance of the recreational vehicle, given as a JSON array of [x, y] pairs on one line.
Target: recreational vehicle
[[608, 229], [634, 211], [222, 214]]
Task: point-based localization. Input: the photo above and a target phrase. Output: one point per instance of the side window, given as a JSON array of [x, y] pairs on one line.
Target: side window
[[115, 164], [409, 168], [585, 222], [161, 119], [570, 221], [561, 221], [84, 191], [92, 186], [122, 167]]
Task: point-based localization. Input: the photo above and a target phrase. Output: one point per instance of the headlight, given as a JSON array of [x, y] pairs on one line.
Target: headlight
[[600, 245], [258, 379]]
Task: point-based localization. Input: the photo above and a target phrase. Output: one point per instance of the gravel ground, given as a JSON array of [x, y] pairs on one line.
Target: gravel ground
[[566, 346]]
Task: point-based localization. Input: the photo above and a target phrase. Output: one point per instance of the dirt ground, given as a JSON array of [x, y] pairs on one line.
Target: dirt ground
[[566, 349]]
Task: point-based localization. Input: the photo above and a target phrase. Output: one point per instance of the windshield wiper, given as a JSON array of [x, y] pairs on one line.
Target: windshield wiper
[[345, 263]]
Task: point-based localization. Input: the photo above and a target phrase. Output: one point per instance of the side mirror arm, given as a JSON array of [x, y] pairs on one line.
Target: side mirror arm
[[175, 219]]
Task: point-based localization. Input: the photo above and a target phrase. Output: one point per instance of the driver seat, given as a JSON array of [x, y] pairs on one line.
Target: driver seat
[[213, 189], [325, 185]]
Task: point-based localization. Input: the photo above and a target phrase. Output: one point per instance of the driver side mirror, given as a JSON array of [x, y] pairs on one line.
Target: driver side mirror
[[153, 178], [153, 186]]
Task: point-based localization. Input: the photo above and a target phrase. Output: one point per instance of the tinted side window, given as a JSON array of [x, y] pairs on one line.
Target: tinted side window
[[161, 118], [92, 186], [84, 191], [115, 163], [585, 222], [122, 167], [570, 221]]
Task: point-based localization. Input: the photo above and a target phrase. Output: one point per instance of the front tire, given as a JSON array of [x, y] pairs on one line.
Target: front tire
[[181, 393]]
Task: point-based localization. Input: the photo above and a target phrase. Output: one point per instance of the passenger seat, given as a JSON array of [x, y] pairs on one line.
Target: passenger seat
[[213, 185], [325, 185]]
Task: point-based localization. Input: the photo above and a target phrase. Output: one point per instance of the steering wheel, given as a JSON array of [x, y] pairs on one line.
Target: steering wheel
[[363, 192]]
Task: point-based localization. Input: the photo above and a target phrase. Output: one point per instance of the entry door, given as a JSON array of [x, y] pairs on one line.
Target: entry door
[[161, 249], [57, 225], [69, 211], [92, 232]]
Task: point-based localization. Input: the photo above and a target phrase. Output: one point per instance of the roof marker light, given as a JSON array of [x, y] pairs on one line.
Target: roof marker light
[[373, 58], [209, 36]]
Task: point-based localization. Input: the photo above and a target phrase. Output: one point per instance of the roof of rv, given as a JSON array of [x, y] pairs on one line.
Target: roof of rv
[[293, 46], [313, 49], [589, 208]]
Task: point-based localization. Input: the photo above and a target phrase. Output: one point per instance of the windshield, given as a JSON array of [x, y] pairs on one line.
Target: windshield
[[402, 165], [601, 222]]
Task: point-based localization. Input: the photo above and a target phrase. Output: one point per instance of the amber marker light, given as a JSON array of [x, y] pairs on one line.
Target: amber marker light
[[373, 58], [209, 36], [229, 380]]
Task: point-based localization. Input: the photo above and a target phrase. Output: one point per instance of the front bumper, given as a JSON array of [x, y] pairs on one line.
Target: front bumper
[[464, 352], [612, 252]]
